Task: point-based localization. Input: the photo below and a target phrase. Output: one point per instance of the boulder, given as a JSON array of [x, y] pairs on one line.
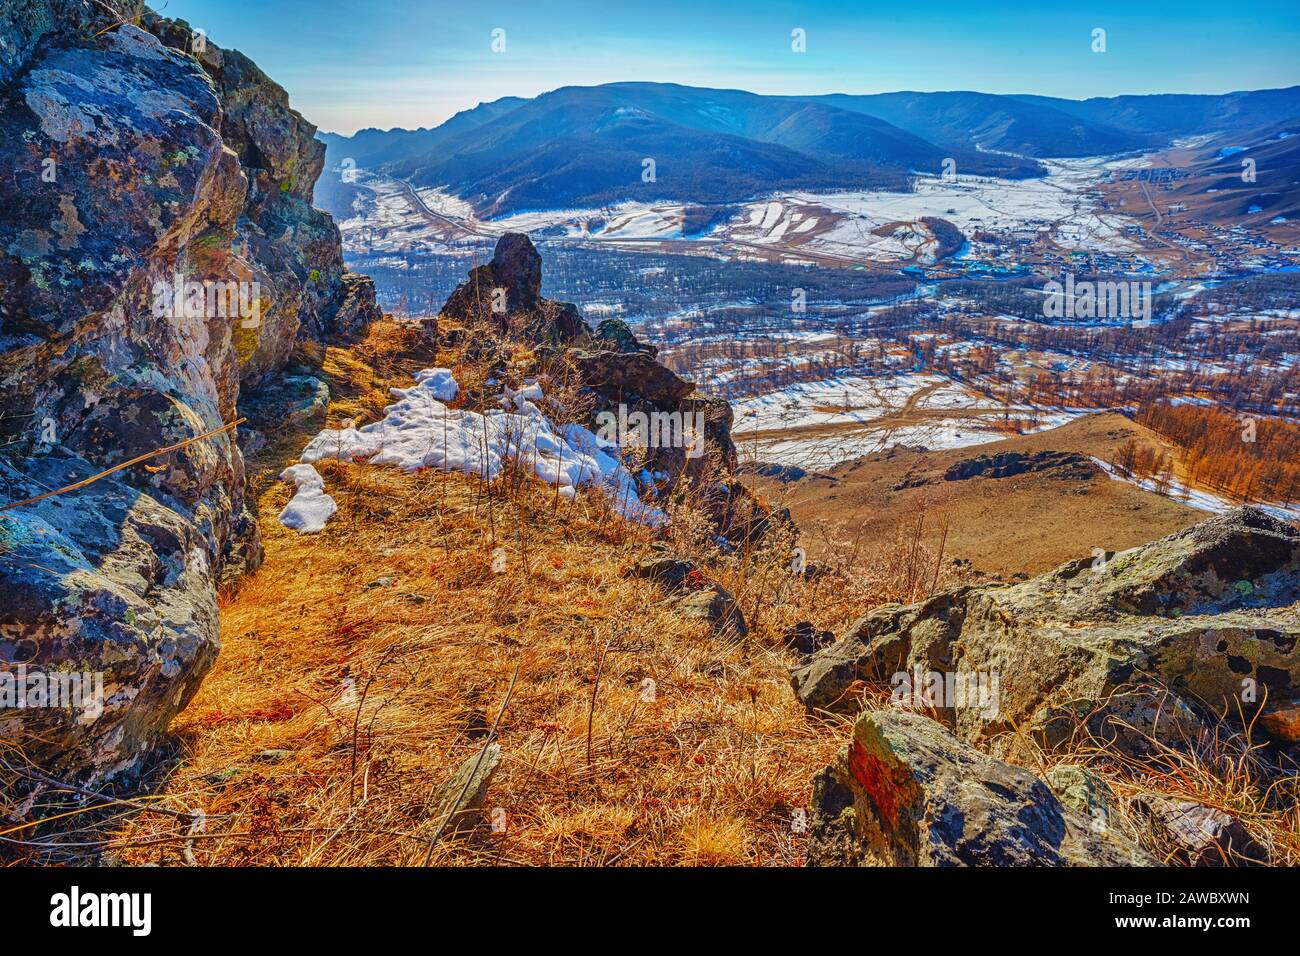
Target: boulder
[[906, 791], [1156, 641], [1281, 720], [290, 401], [617, 336], [355, 308], [630, 377], [693, 593], [1070, 465], [113, 584], [805, 638], [670, 572], [507, 293], [627, 384], [1198, 835], [714, 604]]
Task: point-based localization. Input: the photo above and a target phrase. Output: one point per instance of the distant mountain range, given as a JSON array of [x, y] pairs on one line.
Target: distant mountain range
[[586, 146]]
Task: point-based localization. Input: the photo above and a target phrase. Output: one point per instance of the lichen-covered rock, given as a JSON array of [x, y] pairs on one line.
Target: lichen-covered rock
[[1156, 641], [24, 24], [878, 646], [119, 182], [113, 583], [292, 250], [157, 246], [1084, 792], [289, 401], [356, 308], [617, 336], [907, 792]]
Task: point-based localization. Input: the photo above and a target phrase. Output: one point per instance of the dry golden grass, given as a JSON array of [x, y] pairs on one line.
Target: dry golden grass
[[1229, 769], [363, 665], [337, 704]]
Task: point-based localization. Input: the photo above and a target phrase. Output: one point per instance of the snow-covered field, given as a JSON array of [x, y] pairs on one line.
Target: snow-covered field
[[444, 203], [392, 221], [1057, 200], [825, 451], [627, 220], [840, 419], [815, 226], [814, 403], [834, 223]]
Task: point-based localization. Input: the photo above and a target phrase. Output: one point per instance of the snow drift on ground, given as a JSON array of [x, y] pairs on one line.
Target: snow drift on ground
[[421, 431]]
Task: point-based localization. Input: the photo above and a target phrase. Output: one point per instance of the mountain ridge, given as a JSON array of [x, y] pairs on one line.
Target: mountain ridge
[[589, 145]]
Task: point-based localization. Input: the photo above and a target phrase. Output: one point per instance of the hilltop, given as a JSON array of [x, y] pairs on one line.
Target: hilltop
[[489, 585], [1046, 503]]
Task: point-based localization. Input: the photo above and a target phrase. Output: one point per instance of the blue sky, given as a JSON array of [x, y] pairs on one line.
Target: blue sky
[[354, 63]]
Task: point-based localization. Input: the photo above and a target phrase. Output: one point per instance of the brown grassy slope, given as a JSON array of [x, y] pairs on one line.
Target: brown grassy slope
[[360, 666], [1027, 523]]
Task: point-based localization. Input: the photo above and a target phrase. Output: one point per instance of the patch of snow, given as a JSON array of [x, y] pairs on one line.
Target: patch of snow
[[438, 382], [310, 508], [420, 431]]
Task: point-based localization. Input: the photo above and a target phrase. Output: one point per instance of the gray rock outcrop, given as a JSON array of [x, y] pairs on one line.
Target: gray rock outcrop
[[158, 253], [1158, 641], [506, 294]]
